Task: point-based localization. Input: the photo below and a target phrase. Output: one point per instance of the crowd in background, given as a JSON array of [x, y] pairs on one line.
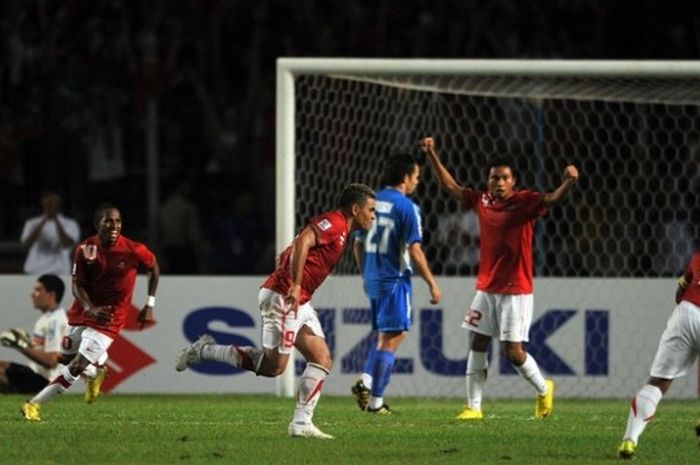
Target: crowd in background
[[78, 77]]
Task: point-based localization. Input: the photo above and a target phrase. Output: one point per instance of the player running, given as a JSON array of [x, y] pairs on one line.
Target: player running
[[678, 349], [288, 319], [104, 277]]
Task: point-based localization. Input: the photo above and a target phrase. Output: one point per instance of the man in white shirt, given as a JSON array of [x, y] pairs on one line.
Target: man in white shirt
[[43, 347], [50, 238]]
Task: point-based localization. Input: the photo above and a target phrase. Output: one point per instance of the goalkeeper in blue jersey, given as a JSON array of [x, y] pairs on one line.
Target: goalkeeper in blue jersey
[[387, 255]]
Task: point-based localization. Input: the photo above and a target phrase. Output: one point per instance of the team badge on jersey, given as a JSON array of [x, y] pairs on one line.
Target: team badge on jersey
[[324, 225], [89, 252]]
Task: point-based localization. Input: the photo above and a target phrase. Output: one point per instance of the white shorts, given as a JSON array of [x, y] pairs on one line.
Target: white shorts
[[279, 329], [72, 336], [680, 343], [94, 345], [506, 316]]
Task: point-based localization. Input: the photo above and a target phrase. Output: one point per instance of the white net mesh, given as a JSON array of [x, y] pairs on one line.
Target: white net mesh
[[633, 214], [636, 142]]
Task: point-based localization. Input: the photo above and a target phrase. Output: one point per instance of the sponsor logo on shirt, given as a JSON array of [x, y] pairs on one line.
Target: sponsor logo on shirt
[[324, 225], [89, 252]]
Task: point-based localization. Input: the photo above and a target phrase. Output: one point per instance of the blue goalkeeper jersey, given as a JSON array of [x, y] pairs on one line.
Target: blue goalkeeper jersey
[[397, 225]]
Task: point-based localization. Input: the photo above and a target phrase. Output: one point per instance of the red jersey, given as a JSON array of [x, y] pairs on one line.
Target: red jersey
[[692, 276], [331, 230], [506, 239], [108, 275]]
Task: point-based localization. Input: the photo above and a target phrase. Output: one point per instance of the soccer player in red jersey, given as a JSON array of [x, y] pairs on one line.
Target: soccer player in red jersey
[[678, 349], [104, 275], [503, 303], [288, 319]]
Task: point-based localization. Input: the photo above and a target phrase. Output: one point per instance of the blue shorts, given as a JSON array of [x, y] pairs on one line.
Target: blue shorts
[[393, 312]]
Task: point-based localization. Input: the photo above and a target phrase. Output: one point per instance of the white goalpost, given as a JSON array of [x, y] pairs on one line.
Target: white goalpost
[[633, 125]]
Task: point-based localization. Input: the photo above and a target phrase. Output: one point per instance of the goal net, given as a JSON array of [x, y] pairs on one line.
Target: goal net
[[632, 128]]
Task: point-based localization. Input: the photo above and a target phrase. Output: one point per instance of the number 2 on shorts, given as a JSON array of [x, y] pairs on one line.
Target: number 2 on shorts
[[473, 317]]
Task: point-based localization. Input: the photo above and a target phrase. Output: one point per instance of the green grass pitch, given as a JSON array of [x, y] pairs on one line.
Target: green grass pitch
[[237, 429]]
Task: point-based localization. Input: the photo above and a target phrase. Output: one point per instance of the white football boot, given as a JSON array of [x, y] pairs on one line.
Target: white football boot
[[192, 354], [307, 430]]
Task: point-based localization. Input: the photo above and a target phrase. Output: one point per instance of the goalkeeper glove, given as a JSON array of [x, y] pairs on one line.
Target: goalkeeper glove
[[15, 337]]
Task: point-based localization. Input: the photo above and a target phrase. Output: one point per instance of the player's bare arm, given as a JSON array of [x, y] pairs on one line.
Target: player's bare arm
[[146, 314], [421, 263], [34, 234], [570, 178], [300, 250], [66, 240], [101, 314], [447, 182], [357, 253], [680, 290], [45, 359]]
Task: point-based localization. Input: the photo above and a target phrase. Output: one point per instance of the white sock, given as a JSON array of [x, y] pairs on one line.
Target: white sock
[[375, 402], [642, 410], [366, 380], [477, 364], [57, 386], [90, 371], [309, 392], [531, 373], [245, 357]]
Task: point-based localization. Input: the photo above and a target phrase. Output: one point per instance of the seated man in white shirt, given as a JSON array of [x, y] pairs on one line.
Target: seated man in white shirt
[[43, 347]]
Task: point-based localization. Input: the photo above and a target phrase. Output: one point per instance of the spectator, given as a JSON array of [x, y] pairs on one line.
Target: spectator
[[50, 238], [236, 236], [180, 233]]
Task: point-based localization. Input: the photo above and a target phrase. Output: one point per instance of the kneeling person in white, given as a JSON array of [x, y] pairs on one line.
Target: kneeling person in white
[[288, 319], [42, 348], [678, 349]]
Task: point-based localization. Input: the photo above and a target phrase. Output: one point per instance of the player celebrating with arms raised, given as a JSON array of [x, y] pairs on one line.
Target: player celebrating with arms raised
[[104, 277], [503, 303], [288, 319]]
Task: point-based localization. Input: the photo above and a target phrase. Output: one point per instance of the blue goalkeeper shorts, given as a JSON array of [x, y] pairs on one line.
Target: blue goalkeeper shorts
[[393, 312]]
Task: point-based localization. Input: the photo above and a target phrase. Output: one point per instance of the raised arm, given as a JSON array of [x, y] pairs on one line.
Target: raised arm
[[29, 236], [64, 236], [447, 182], [570, 178]]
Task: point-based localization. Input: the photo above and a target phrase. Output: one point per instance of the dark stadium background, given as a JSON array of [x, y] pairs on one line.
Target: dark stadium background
[[77, 76]]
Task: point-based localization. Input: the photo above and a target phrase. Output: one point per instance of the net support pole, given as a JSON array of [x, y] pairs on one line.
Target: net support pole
[[152, 179], [284, 192]]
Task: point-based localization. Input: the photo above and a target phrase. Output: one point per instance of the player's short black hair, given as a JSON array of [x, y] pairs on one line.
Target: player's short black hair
[[100, 211], [396, 167], [53, 283], [355, 193], [502, 161]]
